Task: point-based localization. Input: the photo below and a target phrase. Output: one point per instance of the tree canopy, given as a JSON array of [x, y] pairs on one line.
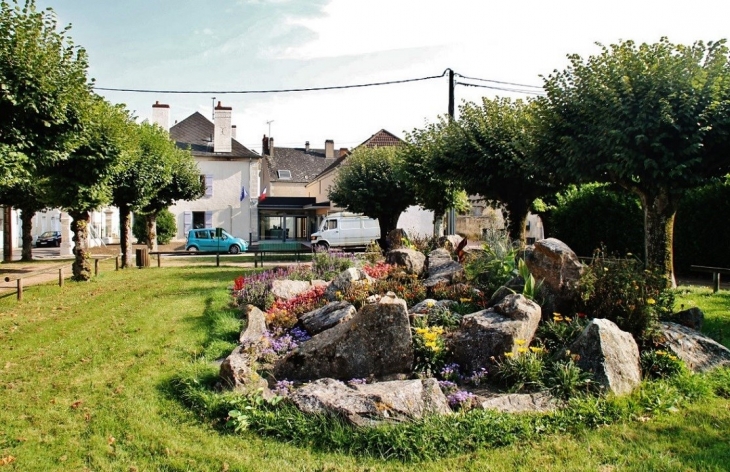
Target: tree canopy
[[43, 83], [654, 118], [371, 181]]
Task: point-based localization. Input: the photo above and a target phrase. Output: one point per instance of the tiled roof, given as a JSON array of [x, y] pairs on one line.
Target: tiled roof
[[196, 131], [382, 138], [304, 165]]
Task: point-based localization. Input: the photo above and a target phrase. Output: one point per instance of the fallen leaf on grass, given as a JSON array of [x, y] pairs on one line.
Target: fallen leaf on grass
[[6, 460], [76, 404]]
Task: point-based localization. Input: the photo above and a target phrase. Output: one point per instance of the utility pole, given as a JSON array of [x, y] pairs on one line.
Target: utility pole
[[451, 220], [212, 111]]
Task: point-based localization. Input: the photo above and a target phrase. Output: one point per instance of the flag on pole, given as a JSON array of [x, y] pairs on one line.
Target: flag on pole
[[244, 193], [262, 197]]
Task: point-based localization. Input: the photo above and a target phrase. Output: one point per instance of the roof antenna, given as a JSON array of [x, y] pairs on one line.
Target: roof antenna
[[213, 108], [269, 123]]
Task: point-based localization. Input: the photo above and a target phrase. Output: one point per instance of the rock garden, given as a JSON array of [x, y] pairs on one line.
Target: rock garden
[[430, 333]]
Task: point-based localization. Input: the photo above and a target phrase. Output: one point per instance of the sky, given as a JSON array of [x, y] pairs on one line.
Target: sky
[[228, 45]]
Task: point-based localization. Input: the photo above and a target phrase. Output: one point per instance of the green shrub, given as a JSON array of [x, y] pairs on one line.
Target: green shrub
[[442, 316], [564, 379], [622, 291], [660, 363], [586, 216], [556, 334], [523, 371], [493, 267], [429, 351], [166, 227], [328, 264]]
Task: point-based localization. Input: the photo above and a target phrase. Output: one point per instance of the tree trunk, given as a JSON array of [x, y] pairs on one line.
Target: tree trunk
[[518, 210], [659, 212], [80, 229], [26, 217], [387, 224], [437, 222], [151, 220], [125, 236]]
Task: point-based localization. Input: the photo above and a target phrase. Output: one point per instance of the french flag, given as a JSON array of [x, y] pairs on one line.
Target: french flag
[[262, 197]]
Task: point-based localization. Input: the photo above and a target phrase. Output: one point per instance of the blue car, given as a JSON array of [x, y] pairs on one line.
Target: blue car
[[206, 240]]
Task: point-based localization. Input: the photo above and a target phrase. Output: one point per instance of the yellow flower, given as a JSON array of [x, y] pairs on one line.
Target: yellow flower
[[567, 318], [605, 269], [661, 353], [650, 301], [465, 300], [674, 358], [509, 354], [557, 318], [519, 342], [430, 303], [536, 349], [522, 350]]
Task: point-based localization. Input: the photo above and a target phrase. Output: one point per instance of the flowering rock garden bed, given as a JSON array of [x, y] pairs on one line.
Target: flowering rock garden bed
[[373, 343]]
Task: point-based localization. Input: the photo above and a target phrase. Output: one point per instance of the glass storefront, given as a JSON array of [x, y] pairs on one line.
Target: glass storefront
[[284, 225]]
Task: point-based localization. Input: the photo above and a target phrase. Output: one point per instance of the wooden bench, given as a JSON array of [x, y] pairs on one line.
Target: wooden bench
[[263, 248], [715, 271]]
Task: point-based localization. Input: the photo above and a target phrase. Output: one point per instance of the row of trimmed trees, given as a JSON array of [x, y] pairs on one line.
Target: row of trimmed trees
[[651, 118], [62, 145]]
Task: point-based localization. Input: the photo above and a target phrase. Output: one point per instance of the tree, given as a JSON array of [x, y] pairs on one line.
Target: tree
[[81, 183], [165, 228], [371, 182], [42, 83], [491, 151], [138, 178], [27, 196], [433, 190], [184, 184], [653, 118]]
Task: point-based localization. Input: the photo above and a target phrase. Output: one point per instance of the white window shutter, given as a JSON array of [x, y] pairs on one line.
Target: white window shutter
[[208, 219], [208, 185], [187, 221]]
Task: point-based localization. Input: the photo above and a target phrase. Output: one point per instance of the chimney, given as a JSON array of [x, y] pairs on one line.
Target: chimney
[[329, 149], [343, 152], [222, 129], [161, 115], [271, 147], [264, 146], [233, 131], [306, 146]]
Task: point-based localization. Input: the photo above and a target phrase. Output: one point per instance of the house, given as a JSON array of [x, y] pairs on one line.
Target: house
[[287, 210], [415, 220], [229, 171]]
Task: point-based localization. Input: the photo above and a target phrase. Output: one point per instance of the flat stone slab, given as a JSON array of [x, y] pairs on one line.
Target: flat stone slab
[[518, 402], [698, 351], [326, 317]]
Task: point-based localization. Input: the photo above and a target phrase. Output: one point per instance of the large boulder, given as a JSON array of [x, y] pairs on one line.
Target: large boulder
[[372, 404], [327, 316], [237, 372], [410, 260], [552, 261], [691, 318], [442, 268], [492, 332], [255, 331], [611, 355], [375, 342], [518, 402], [287, 289], [347, 279], [699, 352], [421, 308]]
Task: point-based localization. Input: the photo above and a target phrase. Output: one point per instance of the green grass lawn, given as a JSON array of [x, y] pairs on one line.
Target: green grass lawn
[[85, 384]]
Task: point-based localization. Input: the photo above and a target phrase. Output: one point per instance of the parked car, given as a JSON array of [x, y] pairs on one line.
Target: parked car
[[342, 229], [49, 238], [206, 240]]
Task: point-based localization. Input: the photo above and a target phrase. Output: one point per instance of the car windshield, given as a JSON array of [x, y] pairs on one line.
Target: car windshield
[[48, 234]]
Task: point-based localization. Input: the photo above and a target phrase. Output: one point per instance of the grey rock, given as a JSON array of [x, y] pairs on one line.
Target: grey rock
[[514, 285], [518, 402], [492, 332], [410, 260], [611, 355], [442, 268], [326, 317], [372, 404], [255, 326], [237, 372], [375, 342], [287, 289], [345, 280], [554, 262], [691, 318], [428, 304], [699, 352]]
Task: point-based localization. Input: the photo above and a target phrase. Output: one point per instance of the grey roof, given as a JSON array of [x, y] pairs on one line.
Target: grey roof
[[304, 165], [196, 132], [380, 139]]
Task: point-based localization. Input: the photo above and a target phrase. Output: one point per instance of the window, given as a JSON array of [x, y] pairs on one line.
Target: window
[[284, 174], [206, 181], [331, 224]]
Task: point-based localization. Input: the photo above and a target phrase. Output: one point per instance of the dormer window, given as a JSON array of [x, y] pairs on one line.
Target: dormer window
[[284, 174]]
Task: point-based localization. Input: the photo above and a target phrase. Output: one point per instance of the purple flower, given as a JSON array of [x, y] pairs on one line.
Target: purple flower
[[461, 399], [478, 377], [447, 386], [283, 387], [450, 372], [299, 335], [357, 381]]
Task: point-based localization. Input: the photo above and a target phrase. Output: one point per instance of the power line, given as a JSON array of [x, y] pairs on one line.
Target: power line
[[310, 89], [492, 87], [498, 81]]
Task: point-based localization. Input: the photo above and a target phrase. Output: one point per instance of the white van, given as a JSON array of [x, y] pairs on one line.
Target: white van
[[344, 229]]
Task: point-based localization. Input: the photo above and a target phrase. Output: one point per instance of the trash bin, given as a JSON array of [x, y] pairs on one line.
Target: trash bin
[[143, 257]]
